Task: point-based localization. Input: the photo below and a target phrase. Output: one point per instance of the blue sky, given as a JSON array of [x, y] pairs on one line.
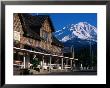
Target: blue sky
[[60, 20]]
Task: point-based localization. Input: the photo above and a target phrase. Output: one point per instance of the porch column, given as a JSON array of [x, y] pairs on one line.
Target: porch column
[[24, 61], [42, 62], [27, 61], [50, 63], [66, 61], [62, 63], [74, 65], [71, 63], [81, 66]]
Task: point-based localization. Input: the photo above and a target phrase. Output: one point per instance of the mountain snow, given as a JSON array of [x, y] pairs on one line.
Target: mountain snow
[[66, 38], [81, 30]]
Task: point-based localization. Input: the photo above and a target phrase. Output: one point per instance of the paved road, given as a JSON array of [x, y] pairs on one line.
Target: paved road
[[72, 73]]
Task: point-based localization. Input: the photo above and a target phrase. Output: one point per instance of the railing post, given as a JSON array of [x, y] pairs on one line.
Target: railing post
[[66, 61], [24, 61], [71, 63], [42, 62], [50, 63], [62, 63]]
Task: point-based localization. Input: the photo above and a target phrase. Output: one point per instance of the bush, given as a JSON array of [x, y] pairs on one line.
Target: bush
[[35, 62]]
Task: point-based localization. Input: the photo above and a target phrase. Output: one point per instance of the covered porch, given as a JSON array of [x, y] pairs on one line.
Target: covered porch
[[47, 62]]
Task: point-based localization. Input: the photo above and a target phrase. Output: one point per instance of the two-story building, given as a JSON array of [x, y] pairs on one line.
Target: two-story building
[[33, 38]]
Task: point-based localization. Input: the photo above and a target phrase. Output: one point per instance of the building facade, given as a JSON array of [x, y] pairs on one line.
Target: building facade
[[33, 38]]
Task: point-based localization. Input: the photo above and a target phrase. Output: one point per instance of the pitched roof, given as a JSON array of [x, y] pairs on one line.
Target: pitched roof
[[37, 20], [32, 26], [26, 29]]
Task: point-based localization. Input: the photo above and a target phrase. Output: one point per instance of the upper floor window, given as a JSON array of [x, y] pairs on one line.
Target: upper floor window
[[45, 35]]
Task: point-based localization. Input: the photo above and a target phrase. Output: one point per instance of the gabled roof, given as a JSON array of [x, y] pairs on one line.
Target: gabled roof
[[32, 24], [26, 29], [37, 20]]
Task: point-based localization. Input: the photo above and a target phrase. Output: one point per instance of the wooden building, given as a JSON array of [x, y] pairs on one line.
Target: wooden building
[[35, 33]]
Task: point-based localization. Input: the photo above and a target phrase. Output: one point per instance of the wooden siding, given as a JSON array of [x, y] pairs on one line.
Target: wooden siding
[[29, 41], [17, 26], [46, 28], [56, 50], [46, 44]]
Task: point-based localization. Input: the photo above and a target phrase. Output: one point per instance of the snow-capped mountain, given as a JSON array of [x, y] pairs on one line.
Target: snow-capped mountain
[[80, 31]]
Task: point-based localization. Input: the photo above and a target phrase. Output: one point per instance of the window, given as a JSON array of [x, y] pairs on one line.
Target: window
[[45, 35]]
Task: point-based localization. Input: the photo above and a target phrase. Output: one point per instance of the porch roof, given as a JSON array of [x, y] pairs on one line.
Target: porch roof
[[34, 52]]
